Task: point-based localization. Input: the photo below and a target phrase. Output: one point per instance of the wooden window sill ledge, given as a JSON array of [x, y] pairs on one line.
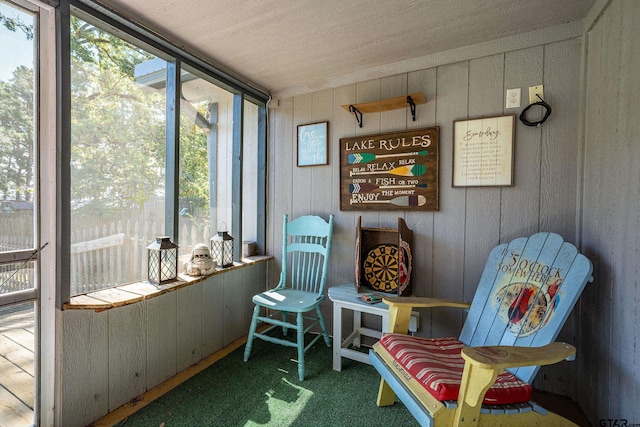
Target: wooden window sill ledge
[[134, 292]]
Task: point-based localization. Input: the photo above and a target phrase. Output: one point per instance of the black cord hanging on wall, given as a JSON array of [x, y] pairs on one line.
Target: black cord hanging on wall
[[543, 104]]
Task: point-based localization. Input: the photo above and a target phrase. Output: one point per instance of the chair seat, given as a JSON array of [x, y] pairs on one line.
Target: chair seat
[[437, 365], [290, 300]]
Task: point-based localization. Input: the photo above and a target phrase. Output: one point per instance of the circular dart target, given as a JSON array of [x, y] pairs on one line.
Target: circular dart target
[[381, 268]]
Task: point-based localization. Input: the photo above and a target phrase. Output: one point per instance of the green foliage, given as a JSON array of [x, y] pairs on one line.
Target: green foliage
[[17, 122], [14, 24], [117, 160], [118, 130], [194, 178], [90, 44], [16, 136]]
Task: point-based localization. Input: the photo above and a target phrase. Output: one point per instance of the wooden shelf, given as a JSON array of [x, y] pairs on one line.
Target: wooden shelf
[[387, 104], [135, 292]]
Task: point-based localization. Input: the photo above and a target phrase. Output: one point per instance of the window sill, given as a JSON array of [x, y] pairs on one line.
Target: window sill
[[134, 292]]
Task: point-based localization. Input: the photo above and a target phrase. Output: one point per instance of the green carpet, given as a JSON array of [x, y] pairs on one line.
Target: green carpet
[[266, 391]]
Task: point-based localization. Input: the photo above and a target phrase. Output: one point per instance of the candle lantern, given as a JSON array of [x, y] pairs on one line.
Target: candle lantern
[[162, 261], [222, 249]]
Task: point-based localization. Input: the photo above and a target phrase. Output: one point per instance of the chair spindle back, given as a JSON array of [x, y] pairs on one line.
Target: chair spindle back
[[306, 245]]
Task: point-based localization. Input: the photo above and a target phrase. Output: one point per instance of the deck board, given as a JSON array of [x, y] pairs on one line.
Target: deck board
[[16, 320], [17, 387], [12, 411], [21, 337], [18, 382], [16, 354]]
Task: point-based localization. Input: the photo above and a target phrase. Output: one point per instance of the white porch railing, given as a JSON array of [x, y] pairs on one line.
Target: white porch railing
[[102, 256]]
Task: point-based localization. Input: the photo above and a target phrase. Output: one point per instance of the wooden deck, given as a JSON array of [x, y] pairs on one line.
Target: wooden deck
[[17, 365]]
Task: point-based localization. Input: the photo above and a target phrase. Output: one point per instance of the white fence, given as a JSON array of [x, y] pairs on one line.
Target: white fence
[[102, 256], [112, 255], [16, 233]]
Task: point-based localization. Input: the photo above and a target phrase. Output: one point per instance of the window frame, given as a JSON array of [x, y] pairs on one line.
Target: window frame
[[27, 255], [175, 56], [45, 293]]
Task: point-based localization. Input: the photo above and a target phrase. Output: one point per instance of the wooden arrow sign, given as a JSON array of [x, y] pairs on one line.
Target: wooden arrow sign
[[399, 201], [367, 188], [369, 157], [411, 170]]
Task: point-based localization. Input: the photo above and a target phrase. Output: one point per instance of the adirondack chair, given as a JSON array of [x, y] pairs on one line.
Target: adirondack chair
[[306, 244], [525, 294]]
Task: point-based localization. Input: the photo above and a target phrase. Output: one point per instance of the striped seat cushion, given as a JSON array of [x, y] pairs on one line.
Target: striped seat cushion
[[437, 365]]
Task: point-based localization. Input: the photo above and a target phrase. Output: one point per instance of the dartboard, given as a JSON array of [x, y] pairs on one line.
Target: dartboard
[[381, 268]]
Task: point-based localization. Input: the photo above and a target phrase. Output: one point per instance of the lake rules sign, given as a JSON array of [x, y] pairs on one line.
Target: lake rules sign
[[390, 172]]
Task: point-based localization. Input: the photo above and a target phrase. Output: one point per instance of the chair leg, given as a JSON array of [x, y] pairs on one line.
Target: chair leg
[[300, 327], [386, 396], [325, 335], [252, 330], [285, 319]]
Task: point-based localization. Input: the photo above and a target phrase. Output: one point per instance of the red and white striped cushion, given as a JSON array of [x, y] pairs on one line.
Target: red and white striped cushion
[[437, 365]]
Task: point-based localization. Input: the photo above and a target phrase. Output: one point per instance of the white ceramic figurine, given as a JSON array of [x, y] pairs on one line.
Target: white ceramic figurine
[[201, 263]]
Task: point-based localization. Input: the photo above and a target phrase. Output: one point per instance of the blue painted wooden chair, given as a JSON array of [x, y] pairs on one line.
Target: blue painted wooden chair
[[526, 292], [306, 244]]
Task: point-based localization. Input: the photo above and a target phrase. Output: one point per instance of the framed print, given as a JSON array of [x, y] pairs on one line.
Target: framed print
[[483, 152], [312, 144]]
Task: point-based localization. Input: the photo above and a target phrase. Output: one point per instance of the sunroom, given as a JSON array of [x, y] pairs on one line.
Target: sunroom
[[125, 122]]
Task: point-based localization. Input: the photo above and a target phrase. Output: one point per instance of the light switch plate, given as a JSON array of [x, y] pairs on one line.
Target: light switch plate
[[533, 92], [513, 98]]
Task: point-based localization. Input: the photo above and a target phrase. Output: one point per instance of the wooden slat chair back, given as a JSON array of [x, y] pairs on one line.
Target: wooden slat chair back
[[305, 254], [306, 245], [526, 292]]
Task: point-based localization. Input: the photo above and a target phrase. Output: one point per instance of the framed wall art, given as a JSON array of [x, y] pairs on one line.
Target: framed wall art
[[396, 171], [483, 152], [312, 144]]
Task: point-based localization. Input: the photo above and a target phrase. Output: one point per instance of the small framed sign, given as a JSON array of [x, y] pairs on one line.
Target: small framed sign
[[483, 152], [312, 144]]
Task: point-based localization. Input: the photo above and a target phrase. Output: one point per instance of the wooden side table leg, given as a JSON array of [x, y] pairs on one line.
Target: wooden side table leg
[[385, 322], [357, 324], [337, 337]]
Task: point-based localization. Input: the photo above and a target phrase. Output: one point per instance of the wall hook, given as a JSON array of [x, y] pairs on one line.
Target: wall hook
[[357, 113], [412, 106]]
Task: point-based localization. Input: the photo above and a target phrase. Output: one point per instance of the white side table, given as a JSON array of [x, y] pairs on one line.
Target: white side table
[[346, 297]]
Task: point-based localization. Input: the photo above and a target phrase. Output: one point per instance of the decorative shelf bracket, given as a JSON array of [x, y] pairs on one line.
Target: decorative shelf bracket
[[412, 106], [357, 113], [386, 105]]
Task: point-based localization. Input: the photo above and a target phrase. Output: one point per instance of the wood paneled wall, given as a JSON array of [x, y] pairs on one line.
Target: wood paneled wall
[[451, 245], [609, 377], [114, 356]]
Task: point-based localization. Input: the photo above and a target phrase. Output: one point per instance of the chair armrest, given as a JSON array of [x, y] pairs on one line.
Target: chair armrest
[[416, 302], [503, 357], [400, 309], [483, 364]]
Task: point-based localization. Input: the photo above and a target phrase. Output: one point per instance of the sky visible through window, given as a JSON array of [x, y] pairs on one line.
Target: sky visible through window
[[16, 48]]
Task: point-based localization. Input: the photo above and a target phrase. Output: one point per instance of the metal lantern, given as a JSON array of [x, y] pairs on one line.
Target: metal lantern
[[162, 261], [222, 249]]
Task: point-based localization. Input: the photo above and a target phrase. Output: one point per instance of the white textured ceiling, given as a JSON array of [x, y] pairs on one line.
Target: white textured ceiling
[[287, 46]]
